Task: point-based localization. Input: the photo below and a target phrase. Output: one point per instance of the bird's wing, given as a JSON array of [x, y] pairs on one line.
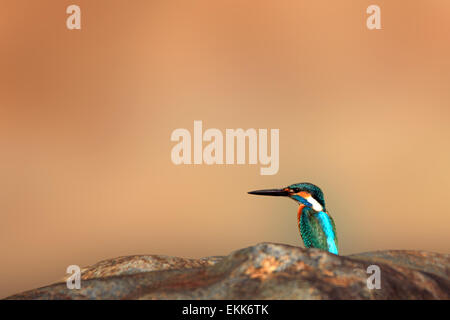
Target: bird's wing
[[318, 230]]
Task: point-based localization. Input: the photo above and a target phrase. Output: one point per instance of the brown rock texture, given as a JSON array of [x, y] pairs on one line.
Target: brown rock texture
[[263, 271]]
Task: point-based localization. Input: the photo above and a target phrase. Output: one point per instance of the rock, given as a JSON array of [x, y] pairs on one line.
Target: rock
[[141, 263], [263, 271]]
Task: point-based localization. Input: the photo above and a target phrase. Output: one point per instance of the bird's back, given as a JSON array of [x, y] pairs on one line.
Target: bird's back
[[318, 230]]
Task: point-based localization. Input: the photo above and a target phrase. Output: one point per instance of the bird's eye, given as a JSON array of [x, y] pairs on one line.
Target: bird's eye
[[296, 190]]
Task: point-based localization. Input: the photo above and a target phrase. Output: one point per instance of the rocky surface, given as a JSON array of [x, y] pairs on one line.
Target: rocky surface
[[263, 271]]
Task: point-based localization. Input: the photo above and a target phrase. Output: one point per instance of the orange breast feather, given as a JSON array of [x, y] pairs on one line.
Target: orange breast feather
[[299, 213]]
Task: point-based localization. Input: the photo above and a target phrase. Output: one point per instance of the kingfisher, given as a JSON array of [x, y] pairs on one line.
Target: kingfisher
[[314, 222]]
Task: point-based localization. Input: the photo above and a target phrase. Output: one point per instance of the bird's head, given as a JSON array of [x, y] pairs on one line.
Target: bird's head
[[304, 193]]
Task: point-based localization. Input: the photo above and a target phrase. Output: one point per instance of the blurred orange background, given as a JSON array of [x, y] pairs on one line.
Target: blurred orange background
[[86, 117]]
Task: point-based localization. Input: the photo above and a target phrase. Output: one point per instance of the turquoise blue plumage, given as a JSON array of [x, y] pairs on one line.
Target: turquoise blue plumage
[[318, 230]]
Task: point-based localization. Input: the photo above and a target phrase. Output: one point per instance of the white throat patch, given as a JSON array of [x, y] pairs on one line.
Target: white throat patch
[[315, 204]]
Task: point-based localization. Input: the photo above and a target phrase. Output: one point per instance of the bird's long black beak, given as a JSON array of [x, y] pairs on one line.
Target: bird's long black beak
[[271, 192]]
